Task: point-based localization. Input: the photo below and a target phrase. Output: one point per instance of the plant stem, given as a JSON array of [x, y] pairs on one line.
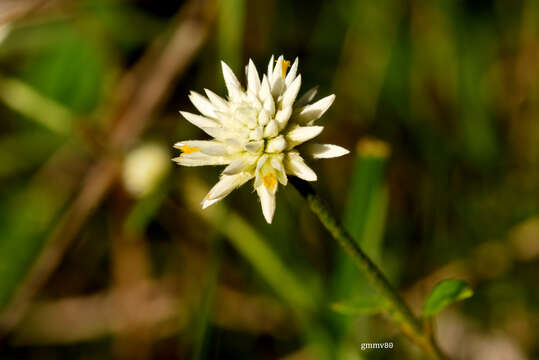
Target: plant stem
[[399, 311]]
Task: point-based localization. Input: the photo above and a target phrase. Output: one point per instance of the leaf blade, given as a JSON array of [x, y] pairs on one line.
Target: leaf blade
[[444, 294]]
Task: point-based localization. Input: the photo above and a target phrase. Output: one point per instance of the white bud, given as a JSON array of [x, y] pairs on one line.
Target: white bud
[[144, 167]]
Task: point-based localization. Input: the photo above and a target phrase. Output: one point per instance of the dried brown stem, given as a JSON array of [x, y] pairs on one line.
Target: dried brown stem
[[159, 307], [12, 10]]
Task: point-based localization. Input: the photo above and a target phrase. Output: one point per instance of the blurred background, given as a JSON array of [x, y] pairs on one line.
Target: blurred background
[[105, 253]]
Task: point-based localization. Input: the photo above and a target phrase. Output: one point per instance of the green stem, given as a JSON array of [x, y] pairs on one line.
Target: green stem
[[399, 311]]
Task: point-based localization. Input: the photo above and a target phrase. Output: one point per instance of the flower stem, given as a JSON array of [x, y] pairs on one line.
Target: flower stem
[[398, 310]]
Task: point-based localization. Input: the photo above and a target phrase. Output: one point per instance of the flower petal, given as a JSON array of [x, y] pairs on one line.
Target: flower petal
[[234, 143], [201, 159], [270, 66], [194, 144], [216, 100], [232, 84], [291, 92], [265, 90], [276, 80], [283, 116], [226, 184], [208, 147], [207, 203], [263, 117], [265, 96], [295, 165], [306, 98], [215, 150], [254, 146], [277, 70], [253, 80], [198, 120], [300, 134], [314, 111], [276, 145], [256, 133], [277, 164], [272, 129], [202, 104], [260, 163], [325, 151], [217, 132], [292, 73], [239, 165], [267, 200]]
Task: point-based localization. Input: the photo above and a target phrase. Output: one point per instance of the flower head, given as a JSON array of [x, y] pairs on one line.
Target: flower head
[[257, 132], [144, 167]]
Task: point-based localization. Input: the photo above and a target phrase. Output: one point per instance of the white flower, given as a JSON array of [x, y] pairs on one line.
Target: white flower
[[256, 132], [144, 168]]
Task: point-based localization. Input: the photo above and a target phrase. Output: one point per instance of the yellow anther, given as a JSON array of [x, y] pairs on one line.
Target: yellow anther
[[286, 65], [270, 181], [186, 149]]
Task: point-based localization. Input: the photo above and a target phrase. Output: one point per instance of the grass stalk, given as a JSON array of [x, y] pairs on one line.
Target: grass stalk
[[398, 310]]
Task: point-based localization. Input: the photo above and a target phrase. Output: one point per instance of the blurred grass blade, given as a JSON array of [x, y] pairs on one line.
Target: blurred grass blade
[[250, 244], [445, 293], [27, 214], [364, 215], [365, 212], [367, 51], [25, 100], [364, 218], [365, 305], [477, 129], [253, 247], [204, 313], [231, 27]]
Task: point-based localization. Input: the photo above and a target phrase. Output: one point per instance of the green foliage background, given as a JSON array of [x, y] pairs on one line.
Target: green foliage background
[[439, 103]]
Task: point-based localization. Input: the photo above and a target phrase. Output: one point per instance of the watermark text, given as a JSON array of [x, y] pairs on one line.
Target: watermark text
[[382, 345]]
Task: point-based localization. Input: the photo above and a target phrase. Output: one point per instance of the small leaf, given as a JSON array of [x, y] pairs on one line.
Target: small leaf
[[445, 293], [365, 305]]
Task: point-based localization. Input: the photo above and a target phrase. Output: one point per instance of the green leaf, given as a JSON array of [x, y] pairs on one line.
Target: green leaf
[[445, 293], [364, 305], [69, 71]]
